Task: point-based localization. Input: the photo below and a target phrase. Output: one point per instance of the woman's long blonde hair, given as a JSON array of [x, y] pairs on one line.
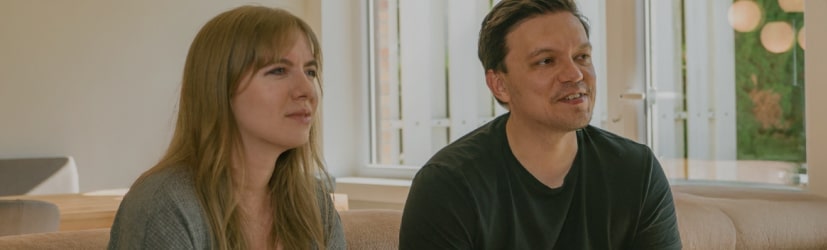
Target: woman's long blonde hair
[[206, 137]]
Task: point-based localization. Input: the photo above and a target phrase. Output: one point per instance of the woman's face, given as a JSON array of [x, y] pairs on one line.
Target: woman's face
[[274, 105]]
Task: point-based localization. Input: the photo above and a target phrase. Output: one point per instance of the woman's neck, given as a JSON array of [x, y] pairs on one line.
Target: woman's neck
[[252, 173], [253, 170]]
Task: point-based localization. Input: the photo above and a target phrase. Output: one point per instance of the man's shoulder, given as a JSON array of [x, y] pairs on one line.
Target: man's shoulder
[[477, 148]]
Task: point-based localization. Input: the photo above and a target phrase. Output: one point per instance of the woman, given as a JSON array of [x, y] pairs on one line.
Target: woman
[[243, 168]]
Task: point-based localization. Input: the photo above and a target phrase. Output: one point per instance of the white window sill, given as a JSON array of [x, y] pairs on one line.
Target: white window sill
[[369, 192]]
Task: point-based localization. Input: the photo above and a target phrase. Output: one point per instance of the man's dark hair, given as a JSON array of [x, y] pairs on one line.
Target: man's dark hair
[[505, 16]]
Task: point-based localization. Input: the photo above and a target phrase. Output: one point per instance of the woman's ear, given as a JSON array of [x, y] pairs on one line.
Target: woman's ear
[[496, 83]]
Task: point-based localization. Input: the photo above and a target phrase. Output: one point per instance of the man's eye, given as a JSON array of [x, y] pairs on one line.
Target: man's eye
[[545, 61]]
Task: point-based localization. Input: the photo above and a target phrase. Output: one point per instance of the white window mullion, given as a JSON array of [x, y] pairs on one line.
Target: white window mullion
[[392, 102], [722, 90], [466, 75], [697, 77], [440, 119], [710, 82], [667, 85], [421, 50]]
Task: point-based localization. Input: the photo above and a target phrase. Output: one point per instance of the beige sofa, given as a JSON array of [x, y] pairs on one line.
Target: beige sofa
[[709, 218], [364, 229], [718, 217]]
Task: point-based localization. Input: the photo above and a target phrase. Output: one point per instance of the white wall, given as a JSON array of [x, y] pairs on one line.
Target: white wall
[[815, 22], [97, 79]]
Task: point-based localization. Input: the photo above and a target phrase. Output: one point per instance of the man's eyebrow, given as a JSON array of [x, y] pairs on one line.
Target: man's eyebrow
[[541, 51], [586, 45]]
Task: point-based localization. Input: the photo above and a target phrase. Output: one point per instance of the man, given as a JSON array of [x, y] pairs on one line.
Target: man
[[540, 177]]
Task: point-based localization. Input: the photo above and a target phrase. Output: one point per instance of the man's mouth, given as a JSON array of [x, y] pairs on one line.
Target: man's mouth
[[574, 96]]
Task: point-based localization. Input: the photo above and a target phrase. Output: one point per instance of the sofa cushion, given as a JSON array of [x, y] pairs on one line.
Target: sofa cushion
[[703, 226], [372, 229]]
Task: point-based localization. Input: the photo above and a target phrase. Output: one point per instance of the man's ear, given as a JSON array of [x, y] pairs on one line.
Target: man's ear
[[496, 83]]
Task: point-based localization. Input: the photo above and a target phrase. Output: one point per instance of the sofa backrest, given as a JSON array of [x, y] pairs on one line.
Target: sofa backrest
[[728, 217], [372, 228]]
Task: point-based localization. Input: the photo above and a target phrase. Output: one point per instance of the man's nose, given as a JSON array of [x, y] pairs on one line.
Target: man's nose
[[571, 72]]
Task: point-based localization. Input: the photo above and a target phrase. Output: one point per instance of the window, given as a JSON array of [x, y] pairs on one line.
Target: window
[[427, 87], [711, 99], [727, 87]]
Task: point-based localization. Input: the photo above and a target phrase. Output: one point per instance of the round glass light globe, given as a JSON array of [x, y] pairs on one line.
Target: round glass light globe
[[744, 15], [777, 37]]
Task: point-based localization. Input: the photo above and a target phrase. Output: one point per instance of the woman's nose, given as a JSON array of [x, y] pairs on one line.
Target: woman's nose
[[305, 87]]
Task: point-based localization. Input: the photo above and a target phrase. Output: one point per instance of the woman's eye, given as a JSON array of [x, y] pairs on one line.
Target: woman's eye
[[545, 61], [584, 57], [277, 71], [311, 73]]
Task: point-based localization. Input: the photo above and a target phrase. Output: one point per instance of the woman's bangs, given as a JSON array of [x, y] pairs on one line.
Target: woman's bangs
[[274, 41]]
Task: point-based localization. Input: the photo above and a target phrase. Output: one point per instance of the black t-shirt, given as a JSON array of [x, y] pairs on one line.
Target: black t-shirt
[[474, 194]]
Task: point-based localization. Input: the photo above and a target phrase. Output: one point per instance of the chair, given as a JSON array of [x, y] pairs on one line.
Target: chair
[[28, 216], [32, 176]]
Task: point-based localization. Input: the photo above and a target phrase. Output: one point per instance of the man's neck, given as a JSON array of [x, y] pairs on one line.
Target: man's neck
[[546, 153]]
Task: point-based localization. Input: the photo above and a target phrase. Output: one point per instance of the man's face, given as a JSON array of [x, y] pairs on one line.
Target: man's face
[[550, 81]]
